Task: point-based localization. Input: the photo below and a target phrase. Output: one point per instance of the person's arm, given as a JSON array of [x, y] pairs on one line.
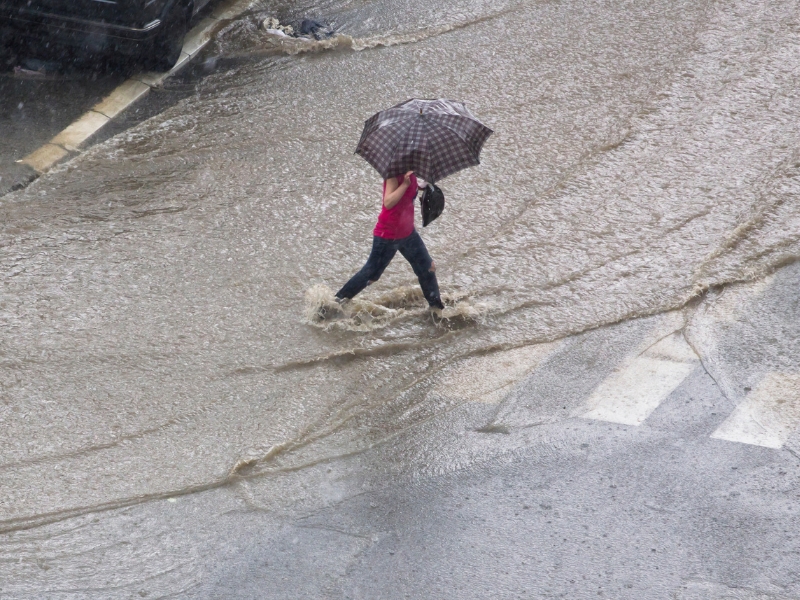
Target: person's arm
[[394, 192]]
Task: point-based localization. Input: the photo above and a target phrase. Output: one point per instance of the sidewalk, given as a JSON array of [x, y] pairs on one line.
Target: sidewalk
[[48, 121], [34, 109]]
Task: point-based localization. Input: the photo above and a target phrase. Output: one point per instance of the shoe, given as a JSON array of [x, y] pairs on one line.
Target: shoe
[[437, 304]]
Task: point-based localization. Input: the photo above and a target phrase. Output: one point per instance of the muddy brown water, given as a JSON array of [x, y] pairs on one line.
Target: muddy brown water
[[159, 291]]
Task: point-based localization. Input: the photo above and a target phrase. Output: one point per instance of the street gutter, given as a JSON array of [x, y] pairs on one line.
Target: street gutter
[[73, 138]]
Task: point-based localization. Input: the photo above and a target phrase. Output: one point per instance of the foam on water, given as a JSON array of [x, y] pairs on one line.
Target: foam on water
[[364, 314], [253, 37]]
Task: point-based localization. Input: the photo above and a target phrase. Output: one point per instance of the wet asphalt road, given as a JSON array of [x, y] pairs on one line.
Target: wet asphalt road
[[462, 507], [608, 511]]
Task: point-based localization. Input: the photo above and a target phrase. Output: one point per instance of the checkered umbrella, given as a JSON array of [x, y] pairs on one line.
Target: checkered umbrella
[[433, 138]]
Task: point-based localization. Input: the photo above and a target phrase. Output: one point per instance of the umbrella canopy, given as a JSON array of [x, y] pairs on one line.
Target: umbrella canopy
[[433, 138]]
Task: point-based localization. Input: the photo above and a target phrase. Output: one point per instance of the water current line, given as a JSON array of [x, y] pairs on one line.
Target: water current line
[[768, 181], [239, 471], [294, 46], [281, 448], [593, 155]]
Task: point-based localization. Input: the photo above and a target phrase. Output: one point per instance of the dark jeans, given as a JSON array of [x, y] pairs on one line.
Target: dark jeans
[[413, 250]]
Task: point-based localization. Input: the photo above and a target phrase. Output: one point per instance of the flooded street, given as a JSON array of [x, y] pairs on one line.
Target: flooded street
[[159, 290]]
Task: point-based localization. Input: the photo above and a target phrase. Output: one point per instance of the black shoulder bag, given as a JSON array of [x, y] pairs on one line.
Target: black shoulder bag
[[432, 203]]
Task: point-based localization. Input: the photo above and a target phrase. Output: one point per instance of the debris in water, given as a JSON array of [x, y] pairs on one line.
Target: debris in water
[[273, 26], [315, 29], [310, 29]]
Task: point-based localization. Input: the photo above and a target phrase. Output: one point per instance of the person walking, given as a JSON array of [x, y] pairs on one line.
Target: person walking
[[432, 138], [395, 231]]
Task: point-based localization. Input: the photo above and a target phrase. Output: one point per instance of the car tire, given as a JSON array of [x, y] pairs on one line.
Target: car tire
[[166, 48]]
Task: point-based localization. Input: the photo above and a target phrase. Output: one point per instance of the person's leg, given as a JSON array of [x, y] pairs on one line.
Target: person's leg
[[382, 253], [414, 251]]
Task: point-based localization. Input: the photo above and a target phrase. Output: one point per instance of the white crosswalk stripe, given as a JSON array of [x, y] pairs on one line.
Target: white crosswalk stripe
[[768, 415], [633, 392]]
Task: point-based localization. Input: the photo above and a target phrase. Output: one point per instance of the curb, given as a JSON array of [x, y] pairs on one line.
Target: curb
[[73, 137]]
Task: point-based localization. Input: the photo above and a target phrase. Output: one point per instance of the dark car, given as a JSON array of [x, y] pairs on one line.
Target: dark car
[[149, 31]]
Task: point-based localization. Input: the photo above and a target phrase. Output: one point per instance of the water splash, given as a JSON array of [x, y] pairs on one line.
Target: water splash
[[369, 313]]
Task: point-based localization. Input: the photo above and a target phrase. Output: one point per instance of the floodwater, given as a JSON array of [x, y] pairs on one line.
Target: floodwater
[[159, 292]]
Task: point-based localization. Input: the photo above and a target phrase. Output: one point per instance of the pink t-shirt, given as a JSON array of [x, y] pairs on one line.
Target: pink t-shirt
[[398, 222]]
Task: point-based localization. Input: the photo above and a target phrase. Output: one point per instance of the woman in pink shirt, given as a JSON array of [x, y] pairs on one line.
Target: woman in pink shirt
[[395, 231]]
